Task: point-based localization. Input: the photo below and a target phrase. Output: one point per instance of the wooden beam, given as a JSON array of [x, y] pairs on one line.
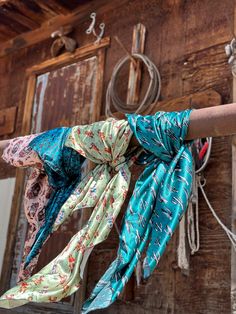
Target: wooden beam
[[134, 82], [23, 9], [233, 216], [68, 57], [197, 100], [13, 13], [44, 32], [7, 120], [91, 49], [211, 121], [54, 7]]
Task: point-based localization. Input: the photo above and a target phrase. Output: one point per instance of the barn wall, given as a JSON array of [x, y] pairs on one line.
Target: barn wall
[[186, 41], [6, 194]]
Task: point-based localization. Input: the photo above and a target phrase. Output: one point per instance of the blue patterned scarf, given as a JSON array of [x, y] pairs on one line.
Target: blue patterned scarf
[[62, 165], [159, 200]]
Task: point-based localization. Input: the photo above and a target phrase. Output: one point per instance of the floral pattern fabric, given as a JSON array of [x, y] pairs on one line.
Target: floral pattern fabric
[[63, 168], [37, 191], [105, 143], [158, 202]]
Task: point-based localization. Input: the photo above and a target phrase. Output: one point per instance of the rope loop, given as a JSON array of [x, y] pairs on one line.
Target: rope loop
[[151, 96]]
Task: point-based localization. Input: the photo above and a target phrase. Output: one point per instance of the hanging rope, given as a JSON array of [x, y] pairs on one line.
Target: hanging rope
[[193, 210], [193, 219], [189, 225], [152, 93], [193, 216], [183, 262], [229, 233]]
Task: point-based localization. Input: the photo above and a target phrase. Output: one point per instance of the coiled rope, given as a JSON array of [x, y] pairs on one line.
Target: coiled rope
[[152, 94]]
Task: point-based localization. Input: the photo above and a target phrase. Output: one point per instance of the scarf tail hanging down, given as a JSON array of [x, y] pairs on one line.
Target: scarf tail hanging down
[[63, 168], [62, 276], [37, 191], [158, 202]]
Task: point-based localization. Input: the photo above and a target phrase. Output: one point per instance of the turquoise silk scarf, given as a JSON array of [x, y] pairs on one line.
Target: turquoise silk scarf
[[159, 200]]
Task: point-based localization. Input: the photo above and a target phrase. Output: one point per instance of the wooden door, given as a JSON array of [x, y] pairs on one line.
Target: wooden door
[[62, 93]]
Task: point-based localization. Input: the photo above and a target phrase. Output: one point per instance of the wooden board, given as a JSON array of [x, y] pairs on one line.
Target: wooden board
[[44, 32], [61, 92], [7, 120], [186, 40]]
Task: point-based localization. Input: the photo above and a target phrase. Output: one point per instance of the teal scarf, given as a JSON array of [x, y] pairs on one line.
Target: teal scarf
[[159, 200], [63, 166]]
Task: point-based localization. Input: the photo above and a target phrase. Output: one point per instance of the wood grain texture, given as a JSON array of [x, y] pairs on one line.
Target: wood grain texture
[[18, 17], [134, 83], [177, 32], [26, 39], [69, 90], [7, 120]]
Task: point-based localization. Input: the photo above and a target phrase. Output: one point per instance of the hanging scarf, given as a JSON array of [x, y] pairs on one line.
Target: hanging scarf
[[105, 143], [37, 191], [63, 168], [158, 202]]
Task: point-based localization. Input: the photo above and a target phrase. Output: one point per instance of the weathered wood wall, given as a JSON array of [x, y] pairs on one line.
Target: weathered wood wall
[[186, 41]]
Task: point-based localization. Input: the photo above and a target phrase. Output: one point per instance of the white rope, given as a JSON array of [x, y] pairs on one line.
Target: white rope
[[138, 273], [193, 209], [193, 219], [183, 262], [152, 93], [229, 233], [208, 153], [192, 228]]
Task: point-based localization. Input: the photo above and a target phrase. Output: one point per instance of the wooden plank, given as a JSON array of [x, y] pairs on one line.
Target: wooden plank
[[68, 57], [54, 7], [99, 88], [12, 24], [12, 12], [7, 120], [99, 53], [31, 10], [205, 23], [134, 82], [233, 220], [44, 32], [208, 68], [233, 217], [19, 186], [203, 65], [95, 116], [198, 100], [26, 124]]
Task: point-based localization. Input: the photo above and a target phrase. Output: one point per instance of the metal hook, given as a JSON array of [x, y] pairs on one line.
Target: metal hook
[[91, 28]]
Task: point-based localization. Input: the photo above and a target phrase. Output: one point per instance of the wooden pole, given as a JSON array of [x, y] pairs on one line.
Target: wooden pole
[[211, 121], [134, 83]]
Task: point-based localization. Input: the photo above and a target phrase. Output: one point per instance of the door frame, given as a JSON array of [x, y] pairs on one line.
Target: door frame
[[93, 49]]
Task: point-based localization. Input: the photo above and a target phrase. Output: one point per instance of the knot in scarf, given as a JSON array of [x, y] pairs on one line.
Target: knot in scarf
[[158, 202], [105, 143], [162, 134]]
